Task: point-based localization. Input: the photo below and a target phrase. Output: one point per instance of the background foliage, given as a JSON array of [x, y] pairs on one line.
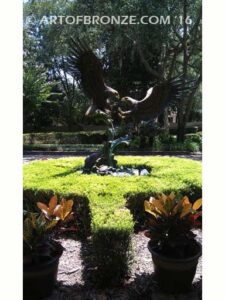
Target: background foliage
[[133, 56]]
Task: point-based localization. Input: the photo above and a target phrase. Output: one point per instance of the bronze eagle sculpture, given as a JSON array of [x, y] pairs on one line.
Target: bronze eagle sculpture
[[84, 64]]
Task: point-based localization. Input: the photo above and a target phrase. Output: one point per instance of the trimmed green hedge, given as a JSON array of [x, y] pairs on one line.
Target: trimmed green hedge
[[92, 141], [168, 142], [63, 147], [109, 206], [82, 137]]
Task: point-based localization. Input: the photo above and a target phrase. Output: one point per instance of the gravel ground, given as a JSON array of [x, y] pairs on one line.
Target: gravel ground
[[74, 281]]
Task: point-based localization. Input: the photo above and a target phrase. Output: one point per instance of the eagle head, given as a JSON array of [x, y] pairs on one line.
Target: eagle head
[[111, 92]]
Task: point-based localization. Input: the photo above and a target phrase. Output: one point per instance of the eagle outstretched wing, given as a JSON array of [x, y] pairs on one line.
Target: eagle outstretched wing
[[84, 65], [156, 100]]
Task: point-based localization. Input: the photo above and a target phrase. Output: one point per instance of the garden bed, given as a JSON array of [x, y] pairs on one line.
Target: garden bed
[[76, 271], [107, 208]]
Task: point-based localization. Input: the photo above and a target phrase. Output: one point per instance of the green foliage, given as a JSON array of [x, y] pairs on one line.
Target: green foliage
[[171, 220], [92, 141], [105, 197], [35, 87], [81, 137], [36, 90], [167, 142], [133, 56], [191, 146], [96, 119], [81, 209], [63, 147], [194, 141], [112, 255], [135, 143], [37, 227]]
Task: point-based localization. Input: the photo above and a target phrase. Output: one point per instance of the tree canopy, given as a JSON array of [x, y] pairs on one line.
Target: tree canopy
[[133, 56]]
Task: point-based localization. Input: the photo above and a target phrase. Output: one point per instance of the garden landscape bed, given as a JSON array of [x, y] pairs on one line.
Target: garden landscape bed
[[76, 268], [108, 209], [91, 141]]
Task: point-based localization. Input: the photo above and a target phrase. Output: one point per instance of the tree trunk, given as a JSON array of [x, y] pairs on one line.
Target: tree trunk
[[181, 107], [181, 128]]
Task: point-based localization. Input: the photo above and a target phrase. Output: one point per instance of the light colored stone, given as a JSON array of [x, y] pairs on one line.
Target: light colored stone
[[144, 172], [136, 172]]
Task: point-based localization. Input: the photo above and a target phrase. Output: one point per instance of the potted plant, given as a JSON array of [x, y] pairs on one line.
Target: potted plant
[[175, 251], [41, 251]]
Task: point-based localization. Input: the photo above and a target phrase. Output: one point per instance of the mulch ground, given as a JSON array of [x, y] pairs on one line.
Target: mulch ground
[[75, 269]]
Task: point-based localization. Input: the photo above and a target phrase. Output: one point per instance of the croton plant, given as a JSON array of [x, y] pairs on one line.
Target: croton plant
[[171, 222], [38, 228]]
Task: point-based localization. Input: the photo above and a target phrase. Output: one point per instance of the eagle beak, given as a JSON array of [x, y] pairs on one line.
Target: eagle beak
[[117, 96], [123, 99]]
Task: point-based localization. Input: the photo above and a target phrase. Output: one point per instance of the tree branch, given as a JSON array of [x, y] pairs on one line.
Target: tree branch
[[190, 99], [148, 68]]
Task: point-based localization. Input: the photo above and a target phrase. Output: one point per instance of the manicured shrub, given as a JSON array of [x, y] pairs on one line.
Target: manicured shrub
[[194, 138], [191, 146], [112, 255], [82, 137], [167, 142], [62, 147], [92, 141], [109, 206]]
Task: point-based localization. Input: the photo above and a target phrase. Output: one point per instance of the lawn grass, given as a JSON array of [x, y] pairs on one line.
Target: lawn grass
[[109, 206]]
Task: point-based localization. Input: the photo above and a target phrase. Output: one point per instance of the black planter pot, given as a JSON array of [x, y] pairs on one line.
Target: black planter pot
[[39, 280], [174, 275]]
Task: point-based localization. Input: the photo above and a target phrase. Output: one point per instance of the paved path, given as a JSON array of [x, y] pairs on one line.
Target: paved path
[[30, 157]]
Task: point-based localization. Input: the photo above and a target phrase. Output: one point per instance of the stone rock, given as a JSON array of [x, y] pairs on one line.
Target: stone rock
[[103, 168], [136, 172], [121, 174], [144, 172]]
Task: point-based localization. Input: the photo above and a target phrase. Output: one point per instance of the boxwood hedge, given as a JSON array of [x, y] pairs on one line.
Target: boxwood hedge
[[81, 137], [107, 206]]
